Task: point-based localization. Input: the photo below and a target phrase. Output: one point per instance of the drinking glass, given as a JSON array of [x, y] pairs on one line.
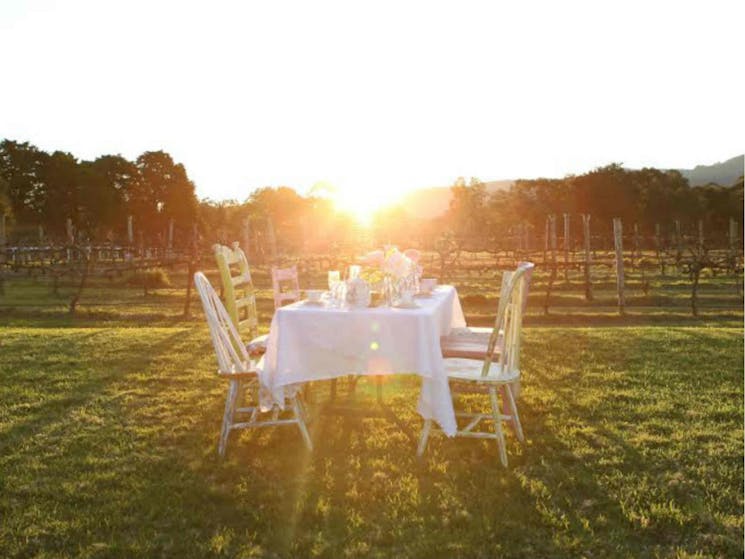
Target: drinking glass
[[334, 278]]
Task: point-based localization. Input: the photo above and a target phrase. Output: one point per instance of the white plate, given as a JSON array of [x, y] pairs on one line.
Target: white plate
[[423, 294]]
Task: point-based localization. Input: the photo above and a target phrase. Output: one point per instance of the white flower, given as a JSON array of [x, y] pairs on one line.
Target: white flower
[[397, 265]]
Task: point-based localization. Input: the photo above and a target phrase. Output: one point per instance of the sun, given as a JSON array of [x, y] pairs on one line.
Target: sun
[[361, 203], [362, 209]]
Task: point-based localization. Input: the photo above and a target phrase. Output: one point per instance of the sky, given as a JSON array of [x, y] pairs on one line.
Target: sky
[[374, 98]]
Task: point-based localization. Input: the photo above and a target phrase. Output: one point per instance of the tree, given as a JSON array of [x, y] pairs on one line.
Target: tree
[[106, 185], [162, 192], [60, 192], [468, 212], [20, 165]]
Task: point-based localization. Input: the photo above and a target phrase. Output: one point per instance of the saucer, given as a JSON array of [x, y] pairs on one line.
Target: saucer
[[423, 294], [411, 305]]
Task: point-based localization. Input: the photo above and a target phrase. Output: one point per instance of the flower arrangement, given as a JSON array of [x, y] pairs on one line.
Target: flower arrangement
[[395, 270]]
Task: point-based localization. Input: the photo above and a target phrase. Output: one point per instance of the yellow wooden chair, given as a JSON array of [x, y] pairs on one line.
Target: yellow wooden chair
[[239, 295], [497, 368]]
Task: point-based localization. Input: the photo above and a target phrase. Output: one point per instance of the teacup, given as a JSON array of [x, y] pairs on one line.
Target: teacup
[[427, 285], [314, 295]]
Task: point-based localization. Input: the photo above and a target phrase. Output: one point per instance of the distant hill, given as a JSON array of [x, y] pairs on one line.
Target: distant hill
[[426, 203], [724, 173]]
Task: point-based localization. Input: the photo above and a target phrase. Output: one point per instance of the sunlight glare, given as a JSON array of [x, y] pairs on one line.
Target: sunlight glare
[[361, 203]]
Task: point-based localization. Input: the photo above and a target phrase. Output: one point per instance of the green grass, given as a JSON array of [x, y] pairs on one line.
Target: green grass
[[108, 449]]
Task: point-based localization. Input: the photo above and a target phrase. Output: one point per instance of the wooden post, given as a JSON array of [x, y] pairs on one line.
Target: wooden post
[[618, 241], [550, 234], [733, 236], [170, 234], [546, 239], [246, 235], [636, 256], [588, 256], [701, 234], [658, 248], [734, 241], [271, 238], [554, 244], [130, 231], [678, 243], [70, 238], [3, 241], [566, 248]]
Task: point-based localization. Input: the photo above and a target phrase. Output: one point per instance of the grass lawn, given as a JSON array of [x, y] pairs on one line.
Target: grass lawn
[[108, 440]]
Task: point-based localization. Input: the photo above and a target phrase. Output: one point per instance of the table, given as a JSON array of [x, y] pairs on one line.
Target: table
[[311, 342]]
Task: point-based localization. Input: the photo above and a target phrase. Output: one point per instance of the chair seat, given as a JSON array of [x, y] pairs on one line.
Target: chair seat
[[257, 346], [468, 343], [469, 370]]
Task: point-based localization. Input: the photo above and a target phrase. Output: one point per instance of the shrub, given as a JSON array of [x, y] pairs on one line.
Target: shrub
[[150, 278]]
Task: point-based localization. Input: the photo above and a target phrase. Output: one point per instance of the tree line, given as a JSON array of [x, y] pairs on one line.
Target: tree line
[[46, 189], [646, 198]]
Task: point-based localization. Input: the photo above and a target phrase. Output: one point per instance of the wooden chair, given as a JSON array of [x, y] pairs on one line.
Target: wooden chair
[[235, 364], [471, 342], [488, 374], [285, 285], [239, 294]]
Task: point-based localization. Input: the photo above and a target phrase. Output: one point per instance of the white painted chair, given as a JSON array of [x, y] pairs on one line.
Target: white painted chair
[[471, 342], [285, 285], [235, 364], [488, 375], [239, 294]]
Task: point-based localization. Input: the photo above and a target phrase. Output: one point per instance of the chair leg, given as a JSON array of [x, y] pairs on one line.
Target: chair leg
[[303, 409], [513, 412], [497, 415], [423, 438], [227, 418], [301, 423]]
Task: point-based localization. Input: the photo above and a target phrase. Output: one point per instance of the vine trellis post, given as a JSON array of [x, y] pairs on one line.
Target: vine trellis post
[[130, 231], [271, 239], [618, 242], [550, 240], [246, 232], [566, 247], [588, 256]]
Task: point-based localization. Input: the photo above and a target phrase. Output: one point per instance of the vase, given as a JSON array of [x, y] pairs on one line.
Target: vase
[[391, 290]]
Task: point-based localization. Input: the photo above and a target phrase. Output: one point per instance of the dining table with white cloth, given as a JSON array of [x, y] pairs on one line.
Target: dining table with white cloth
[[311, 342]]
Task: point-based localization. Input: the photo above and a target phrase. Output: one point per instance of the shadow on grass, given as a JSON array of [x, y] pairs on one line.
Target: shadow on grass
[[147, 481]]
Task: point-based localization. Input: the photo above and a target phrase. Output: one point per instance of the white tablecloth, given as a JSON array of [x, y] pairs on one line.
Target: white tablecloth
[[309, 343]]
